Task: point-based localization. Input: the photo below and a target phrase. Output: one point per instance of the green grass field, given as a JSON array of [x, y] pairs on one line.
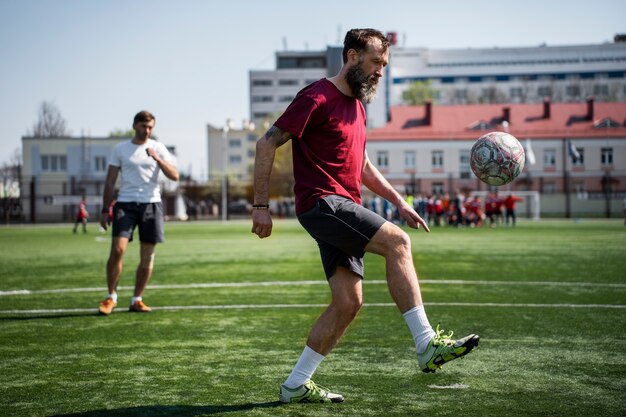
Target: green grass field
[[547, 298]]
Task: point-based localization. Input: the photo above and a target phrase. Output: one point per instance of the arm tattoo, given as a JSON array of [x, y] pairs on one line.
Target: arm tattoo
[[278, 136]]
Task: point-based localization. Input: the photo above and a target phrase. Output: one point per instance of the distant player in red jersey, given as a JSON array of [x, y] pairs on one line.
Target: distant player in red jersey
[[509, 205], [81, 216]]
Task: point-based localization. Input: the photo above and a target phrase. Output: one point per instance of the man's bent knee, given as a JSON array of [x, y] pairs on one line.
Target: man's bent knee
[[389, 239]]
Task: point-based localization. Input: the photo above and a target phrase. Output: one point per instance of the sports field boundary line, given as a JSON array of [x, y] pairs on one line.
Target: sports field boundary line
[[281, 306], [314, 282]]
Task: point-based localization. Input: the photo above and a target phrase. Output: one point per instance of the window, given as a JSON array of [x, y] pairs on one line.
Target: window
[[579, 162], [544, 91], [234, 143], [464, 164], [100, 163], [606, 123], [606, 156], [549, 158], [437, 188], [382, 159], [53, 163], [481, 125], [261, 83], [601, 90], [437, 159], [262, 99], [62, 162], [572, 90], [285, 99], [409, 159], [234, 159], [516, 92], [460, 94], [287, 82]]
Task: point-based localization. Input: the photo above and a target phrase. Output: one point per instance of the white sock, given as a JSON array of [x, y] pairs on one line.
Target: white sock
[[304, 369], [113, 296], [420, 327], [135, 299]]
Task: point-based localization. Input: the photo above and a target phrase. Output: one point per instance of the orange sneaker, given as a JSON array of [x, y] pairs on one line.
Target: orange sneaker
[[139, 307], [107, 306]]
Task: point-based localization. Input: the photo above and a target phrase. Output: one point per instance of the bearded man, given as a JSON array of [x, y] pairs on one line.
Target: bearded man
[[327, 123]]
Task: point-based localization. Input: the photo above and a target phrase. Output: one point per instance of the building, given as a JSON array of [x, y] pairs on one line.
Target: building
[[271, 91], [456, 76], [57, 172], [231, 150], [425, 150], [513, 75]]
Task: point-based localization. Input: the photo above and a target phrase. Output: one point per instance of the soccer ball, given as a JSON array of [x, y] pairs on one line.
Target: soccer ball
[[497, 158]]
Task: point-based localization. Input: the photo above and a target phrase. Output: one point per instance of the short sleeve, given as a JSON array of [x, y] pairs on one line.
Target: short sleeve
[[302, 111], [115, 159]]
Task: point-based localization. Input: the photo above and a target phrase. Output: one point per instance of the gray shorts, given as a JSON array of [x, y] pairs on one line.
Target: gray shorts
[[147, 217], [342, 230]]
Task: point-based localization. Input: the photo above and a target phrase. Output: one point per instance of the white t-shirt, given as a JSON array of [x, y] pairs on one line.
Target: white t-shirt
[[139, 172]]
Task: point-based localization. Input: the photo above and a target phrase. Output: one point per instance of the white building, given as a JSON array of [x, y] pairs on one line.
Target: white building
[[231, 151], [513, 75], [57, 172]]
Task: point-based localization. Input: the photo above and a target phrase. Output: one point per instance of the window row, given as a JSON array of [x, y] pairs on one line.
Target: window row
[[270, 99], [436, 160], [599, 90], [286, 82], [507, 78], [58, 163]]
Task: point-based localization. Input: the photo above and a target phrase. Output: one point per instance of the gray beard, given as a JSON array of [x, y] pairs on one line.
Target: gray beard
[[359, 84]]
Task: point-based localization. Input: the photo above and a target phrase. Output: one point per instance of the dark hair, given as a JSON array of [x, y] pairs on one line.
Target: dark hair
[[359, 39], [143, 116]]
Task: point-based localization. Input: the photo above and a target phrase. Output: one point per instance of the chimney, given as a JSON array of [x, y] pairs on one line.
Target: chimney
[[428, 116], [546, 108], [506, 114], [590, 108]]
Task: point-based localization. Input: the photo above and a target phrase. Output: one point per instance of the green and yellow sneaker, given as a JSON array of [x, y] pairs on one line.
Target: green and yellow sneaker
[[442, 349], [309, 392]]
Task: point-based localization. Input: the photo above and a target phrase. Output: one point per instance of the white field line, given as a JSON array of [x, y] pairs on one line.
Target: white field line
[[279, 306], [316, 282]]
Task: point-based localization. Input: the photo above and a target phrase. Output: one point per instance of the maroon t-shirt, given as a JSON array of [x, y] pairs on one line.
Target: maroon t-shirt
[[328, 130]]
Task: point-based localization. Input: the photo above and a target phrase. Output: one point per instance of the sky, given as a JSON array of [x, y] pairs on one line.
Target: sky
[[188, 61]]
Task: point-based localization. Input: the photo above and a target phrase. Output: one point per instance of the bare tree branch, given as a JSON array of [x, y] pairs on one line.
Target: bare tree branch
[[50, 122]]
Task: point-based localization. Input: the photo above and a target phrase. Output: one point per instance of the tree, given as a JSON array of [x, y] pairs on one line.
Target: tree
[[50, 122], [130, 133], [120, 133], [418, 93]]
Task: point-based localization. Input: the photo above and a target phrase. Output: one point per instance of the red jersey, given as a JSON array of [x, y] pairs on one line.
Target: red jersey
[[82, 211], [329, 135], [510, 201]]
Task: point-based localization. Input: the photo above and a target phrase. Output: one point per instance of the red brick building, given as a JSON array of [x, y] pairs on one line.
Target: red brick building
[[425, 150]]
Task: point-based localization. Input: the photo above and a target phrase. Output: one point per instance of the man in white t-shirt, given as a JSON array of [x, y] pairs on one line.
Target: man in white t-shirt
[[138, 204]]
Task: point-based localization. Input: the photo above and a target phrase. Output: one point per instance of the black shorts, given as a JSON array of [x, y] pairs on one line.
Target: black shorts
[[342, 230], [147, 217]]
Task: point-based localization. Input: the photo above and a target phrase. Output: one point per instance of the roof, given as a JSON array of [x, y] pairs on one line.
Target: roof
[[463, 122]]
